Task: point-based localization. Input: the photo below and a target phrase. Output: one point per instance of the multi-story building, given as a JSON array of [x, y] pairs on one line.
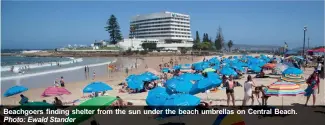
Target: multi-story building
[[171, 30]]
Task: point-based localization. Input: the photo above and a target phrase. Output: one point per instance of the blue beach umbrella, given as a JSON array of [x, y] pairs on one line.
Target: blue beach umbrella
[[292, 70], [182, 100], [237, 67], [130, 77], [204, 84], [15, 90], [179, 86], [255, 68], [190, 76], [228, 71], [135, 84], [149, 76], [96, 87], [212, 75], [157, 96]]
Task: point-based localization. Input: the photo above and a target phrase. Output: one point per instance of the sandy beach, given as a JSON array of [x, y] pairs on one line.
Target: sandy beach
[[217, 98]]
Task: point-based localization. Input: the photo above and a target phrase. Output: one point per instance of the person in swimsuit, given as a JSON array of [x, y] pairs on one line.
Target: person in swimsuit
[[313, 84], [230, 84], [62, 81]]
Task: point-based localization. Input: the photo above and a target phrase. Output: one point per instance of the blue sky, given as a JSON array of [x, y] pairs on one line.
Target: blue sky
[[51, 24]]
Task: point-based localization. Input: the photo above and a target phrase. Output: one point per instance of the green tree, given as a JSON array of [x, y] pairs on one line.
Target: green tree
[[230, 44], [113, 29], [205, 37], [205, 46], [197, 41], [219, 42]]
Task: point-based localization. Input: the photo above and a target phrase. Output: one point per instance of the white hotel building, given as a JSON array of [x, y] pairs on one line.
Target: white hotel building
[[169, 30]]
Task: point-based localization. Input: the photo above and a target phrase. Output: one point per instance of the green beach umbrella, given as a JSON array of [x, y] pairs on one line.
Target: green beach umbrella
[[209, 70], [91, 104]]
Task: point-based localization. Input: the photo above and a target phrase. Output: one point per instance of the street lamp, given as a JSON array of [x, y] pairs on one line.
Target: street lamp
[[303, 48]]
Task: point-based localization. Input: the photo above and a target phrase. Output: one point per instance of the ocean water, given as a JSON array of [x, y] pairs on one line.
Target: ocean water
[[72, 69]]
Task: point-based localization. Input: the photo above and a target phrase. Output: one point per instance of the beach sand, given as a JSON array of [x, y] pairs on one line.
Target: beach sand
[[217, 98]]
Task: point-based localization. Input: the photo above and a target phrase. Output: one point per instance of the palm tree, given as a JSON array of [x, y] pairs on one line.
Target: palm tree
[[230, 44]]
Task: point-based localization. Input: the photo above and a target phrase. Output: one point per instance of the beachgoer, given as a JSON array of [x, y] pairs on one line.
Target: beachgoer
[[44, 101], [56, 82], [230, 84], [23, 100], [261, 74], [85, 69], [127, 71], [62, 81], [319, 67], [94, 74], [248, 90], [57, 102], [313, 84], [264, 96]]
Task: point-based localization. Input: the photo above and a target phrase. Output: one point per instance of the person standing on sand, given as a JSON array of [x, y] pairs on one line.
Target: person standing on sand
[[94, 74], [248, 90], [313, 84], [230, 84], [62, 81], [127, 71]]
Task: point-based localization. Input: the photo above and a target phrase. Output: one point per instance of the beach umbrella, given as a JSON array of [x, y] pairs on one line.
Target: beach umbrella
[[178, 86], [294, 79], [216, 67], [149, 76], [130, 77], [157, 96], [289, 64], [283, 89], [182, 100], [269, 65], [281, 67], [228, 71], [255, 68], [97, 87], [91, 104], [209, 70], [238, 67], [292, 71], [205, 84], [190, 76], [55, 91], [15, 90], [135, 84], [212, 75]]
